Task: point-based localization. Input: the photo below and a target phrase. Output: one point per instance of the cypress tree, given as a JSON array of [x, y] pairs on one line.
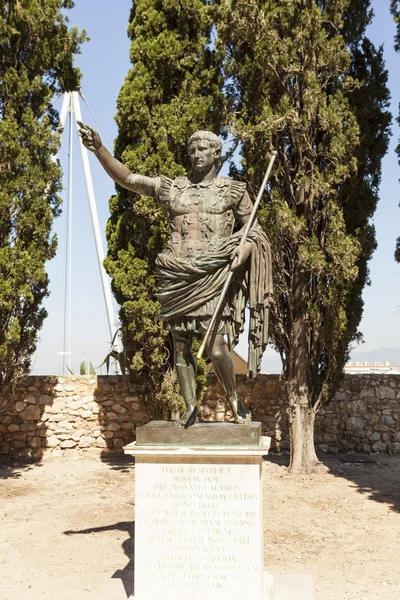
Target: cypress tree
[[36, 62], [172, 90], [307, 82], [395, 10]]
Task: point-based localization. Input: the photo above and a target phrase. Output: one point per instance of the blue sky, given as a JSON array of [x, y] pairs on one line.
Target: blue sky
[[105, 62]]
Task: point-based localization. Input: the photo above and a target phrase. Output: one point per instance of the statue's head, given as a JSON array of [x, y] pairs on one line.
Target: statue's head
[[204, 149]]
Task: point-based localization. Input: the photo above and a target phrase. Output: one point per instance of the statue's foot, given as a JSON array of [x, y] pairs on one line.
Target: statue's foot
[[189, 417], [241, 413], [243, 420]]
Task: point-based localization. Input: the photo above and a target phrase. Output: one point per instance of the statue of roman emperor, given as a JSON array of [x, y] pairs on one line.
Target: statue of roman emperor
[[207, 216]]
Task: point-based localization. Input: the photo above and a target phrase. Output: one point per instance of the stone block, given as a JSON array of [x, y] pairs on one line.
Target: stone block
[[69, 388], [56, 418], [387, 420], [27, 426], [385, 393], [379, 447], [101, 443], [229, 434], [4, 448], [30, 399], [67, 444], [356, 407], [52, 441], [118, 409], [355, 424], [86, 441], [207, 511], [111, 427], [293, 587], [13, 427], [118, 443], [85, 414], [31, 413], [19, 406], [18, 445], [35, 442]]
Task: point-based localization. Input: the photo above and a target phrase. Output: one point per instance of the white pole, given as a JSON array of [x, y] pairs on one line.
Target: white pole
[[68, 252], [64, 111], [96, 227], [63, 117]]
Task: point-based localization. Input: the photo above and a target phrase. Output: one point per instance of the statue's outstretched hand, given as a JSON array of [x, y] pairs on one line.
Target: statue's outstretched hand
[[89, 136]]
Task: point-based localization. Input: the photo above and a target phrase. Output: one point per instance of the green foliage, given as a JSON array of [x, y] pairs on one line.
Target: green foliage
[[307, 82], [172, 90], [395, 10], [36, 61]]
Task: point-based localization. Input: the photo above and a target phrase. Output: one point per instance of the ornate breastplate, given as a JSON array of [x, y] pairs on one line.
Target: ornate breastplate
[[208, 198], [202, 215]]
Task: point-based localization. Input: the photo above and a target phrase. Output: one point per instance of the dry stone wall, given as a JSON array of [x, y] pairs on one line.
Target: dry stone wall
[[55, 415], [58, 415]]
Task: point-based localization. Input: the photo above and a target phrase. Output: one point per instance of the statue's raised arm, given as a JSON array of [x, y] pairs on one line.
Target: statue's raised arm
[[146, 186]]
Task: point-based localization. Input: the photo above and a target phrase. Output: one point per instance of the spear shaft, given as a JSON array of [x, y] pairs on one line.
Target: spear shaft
[[241, 243]]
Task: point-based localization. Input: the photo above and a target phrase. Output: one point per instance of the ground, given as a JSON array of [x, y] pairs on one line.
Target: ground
[[67, 526]]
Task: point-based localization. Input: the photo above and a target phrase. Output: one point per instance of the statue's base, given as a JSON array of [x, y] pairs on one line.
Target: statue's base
[[165, 433], [277, 587], [198, 518], [198, 514]]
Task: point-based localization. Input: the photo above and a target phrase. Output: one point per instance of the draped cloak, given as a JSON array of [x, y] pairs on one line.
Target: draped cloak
[[186, 284]]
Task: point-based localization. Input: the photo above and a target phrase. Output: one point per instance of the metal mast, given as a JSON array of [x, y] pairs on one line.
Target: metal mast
[[71, 107]]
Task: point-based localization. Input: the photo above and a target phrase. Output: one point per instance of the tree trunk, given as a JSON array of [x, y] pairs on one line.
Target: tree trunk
[[303, 458]]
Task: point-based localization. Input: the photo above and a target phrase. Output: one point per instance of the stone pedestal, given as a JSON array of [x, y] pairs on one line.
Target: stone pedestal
[[198, 513]]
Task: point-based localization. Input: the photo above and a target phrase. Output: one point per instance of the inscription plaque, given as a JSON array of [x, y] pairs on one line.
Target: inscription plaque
[[198, 530]]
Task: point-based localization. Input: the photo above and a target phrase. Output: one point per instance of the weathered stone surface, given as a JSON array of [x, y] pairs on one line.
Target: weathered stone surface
[[225, 434], [68, 444], [364, 416], [30, 399], [85, 414], [86, 441], [118, 409], [52, 441], [354, 423], [35, 442], [101, 443], [4, 448], [31, 413], [384, 393]]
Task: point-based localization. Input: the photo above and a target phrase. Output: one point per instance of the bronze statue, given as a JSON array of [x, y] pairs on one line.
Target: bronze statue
[[208, 214]]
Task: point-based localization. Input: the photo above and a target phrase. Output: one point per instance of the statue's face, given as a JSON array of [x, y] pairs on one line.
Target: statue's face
[[202, 155]]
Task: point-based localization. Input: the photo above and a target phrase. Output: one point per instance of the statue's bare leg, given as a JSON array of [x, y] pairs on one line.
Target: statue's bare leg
[[185, 366], [224, 370]]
